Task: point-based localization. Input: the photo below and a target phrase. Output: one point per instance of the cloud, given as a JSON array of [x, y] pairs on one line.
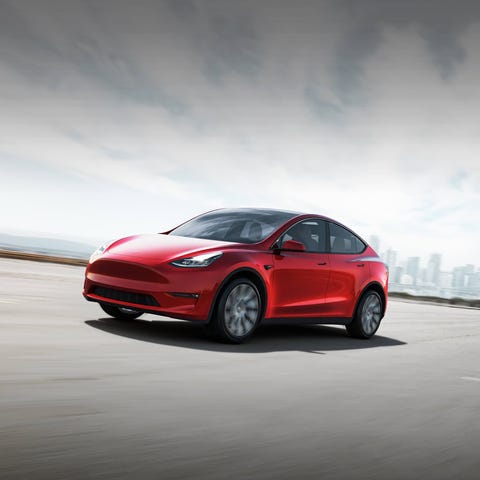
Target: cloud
[[367, 114], [440, 24]]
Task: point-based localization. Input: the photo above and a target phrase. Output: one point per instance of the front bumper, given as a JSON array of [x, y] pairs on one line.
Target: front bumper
[[164, 290]]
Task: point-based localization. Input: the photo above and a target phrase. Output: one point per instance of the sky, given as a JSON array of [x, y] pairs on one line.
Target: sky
[[121, 117]]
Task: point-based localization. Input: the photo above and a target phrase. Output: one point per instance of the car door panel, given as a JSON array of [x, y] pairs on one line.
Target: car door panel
[[300, 281], [347, 274]]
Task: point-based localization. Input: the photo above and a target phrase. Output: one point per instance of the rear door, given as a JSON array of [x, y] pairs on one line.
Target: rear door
[[347, 271]]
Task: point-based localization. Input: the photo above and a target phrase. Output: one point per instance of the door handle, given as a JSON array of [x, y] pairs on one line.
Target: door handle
[[360, 264], [322, 263]]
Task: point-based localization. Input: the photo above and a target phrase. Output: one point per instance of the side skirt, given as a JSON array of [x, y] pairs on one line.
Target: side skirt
[[308, 321]]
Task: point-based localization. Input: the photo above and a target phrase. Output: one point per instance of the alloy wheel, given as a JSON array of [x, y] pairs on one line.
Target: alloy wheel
[[371, 313], [241, 310]]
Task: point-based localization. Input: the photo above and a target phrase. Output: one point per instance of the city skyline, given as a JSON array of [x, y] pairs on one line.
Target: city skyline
[[427, 275]]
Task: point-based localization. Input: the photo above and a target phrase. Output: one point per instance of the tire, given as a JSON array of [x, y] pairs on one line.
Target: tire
[[238, 312], [121, 313], [367, 317]]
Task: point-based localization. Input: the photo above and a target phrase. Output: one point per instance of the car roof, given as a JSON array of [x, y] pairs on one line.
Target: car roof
[[293, 214], [257, 210]]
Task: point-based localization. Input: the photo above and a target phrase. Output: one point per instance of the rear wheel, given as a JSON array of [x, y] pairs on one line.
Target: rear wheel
[[238, 312], [367, 317], [121, 313]]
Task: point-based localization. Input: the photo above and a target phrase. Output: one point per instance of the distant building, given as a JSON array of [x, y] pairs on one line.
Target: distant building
[[433, 269], [396, 274], [458, 280], [406, 279], [445, 280], [413, 268], [474, 282], [423, 276], [469, 275], [391, 259]]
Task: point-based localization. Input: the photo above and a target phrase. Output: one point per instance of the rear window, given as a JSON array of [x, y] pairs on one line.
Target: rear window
[[344, 241]]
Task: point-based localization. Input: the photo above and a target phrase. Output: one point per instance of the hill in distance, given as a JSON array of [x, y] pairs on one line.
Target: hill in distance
[[44, 245]]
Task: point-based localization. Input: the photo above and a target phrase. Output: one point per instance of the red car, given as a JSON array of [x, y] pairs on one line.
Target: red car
[[235, 268]]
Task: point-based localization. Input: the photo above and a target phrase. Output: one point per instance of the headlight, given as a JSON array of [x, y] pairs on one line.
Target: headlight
[[198, 261], [100, 250]]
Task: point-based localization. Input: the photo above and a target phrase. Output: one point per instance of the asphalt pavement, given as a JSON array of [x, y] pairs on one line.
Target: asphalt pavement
[[83, 396]]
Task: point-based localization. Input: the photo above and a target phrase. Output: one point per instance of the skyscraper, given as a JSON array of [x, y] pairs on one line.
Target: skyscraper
[[391, 259], [413, 268], [458, 280], [433, 269]]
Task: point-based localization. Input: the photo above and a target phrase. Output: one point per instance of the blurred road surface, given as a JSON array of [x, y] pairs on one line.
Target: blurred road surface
[[83, 396]]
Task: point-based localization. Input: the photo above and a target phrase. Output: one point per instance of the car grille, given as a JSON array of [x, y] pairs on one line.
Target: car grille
[[130, 297], [121, 269]]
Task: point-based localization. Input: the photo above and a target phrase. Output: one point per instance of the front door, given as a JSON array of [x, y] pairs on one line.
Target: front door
[[300, 278]]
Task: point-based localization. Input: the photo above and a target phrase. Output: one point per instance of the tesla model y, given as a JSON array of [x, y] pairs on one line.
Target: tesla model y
[[235, 268]]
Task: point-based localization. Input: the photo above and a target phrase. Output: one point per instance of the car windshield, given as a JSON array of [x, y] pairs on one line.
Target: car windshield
[[239, 226]]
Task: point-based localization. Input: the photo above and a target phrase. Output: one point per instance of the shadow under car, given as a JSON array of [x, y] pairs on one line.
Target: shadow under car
[[268, 338]]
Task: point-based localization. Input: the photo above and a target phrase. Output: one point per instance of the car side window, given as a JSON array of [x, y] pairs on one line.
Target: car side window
[[344, 241], [311, 233]]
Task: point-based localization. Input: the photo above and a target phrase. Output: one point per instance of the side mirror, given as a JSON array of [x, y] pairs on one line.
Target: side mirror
[[293, 245]]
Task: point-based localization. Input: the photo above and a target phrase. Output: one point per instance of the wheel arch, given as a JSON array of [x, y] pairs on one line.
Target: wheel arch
[[376, 287], [244, 272]]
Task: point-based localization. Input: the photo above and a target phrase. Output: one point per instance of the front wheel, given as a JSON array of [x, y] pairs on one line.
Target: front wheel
[[367, 316], [238, 312], [121, 313]]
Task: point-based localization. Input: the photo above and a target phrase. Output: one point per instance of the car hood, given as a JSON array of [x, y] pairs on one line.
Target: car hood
[[161, 247]]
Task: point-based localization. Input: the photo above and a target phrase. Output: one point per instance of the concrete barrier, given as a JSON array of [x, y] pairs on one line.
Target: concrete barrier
[[39, 257]]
